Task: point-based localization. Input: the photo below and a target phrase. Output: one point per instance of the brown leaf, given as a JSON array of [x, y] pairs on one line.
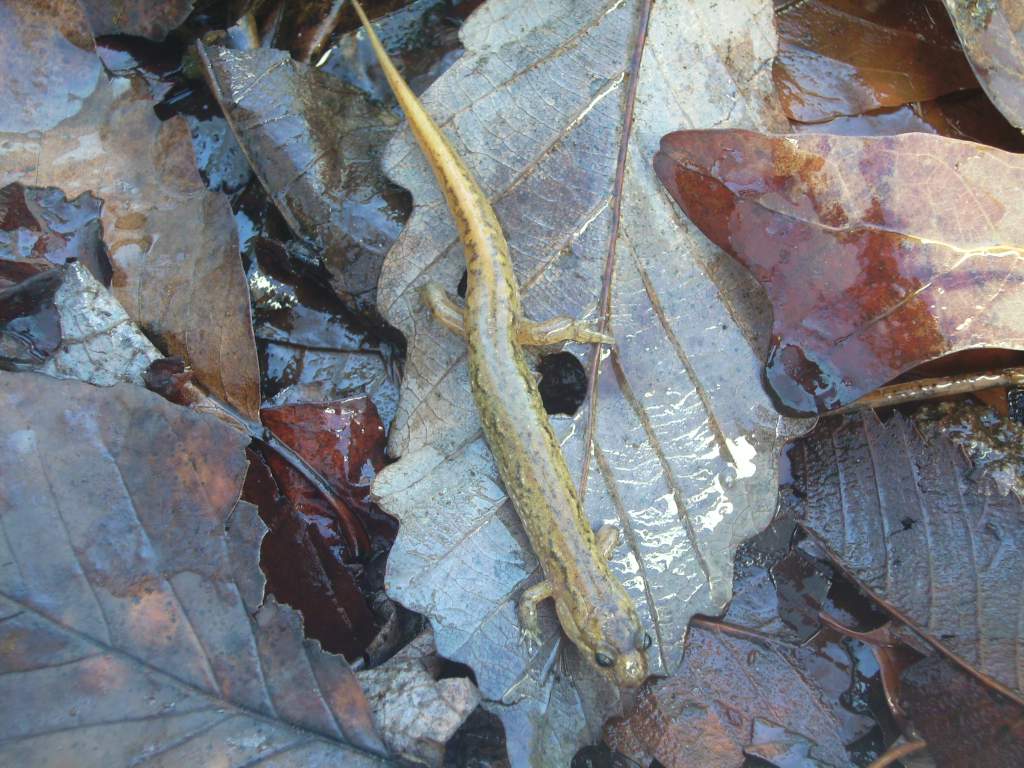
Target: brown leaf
[[844, 57], [50, 64], [898, 511], [131, 600], [173, 244], [734, 694], [965, 723], [314, 142], [144, 18], [992, 33], [869, 275]]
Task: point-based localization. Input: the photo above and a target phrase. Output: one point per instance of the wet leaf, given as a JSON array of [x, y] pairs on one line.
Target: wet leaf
[[992, 33], [134, 624], [314, 142], [868, 277], [173, 244], [684, 438], [417, 711], [99, 342], [966, 115], [143, 18], [50, 64], [41, 225], [844, 57], [734, 696], [320, 555], [964, 722], [29, 321], [899, 510]]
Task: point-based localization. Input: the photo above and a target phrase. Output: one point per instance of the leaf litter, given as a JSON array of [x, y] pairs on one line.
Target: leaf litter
[[757, 730]]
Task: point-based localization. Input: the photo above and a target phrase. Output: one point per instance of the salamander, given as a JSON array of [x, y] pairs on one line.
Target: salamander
[[592, 606]]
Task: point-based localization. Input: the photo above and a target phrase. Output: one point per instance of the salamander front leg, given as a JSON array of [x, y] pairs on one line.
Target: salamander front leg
[[445, 310], [529, 621], [559, 329]]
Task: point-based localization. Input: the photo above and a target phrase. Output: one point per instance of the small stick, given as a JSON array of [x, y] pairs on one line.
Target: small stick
[[894, 754], [929, 389]]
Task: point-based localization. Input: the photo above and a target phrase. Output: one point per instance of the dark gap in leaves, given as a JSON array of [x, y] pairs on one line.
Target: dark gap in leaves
[[478, 743], [563, 383], [463, 284], [601, 756]]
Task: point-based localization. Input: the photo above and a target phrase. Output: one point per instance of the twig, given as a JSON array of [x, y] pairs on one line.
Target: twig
[[928, 389], [896, 753]]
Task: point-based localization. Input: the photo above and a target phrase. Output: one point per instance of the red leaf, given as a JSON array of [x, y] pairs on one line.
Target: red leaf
[[878, 254]]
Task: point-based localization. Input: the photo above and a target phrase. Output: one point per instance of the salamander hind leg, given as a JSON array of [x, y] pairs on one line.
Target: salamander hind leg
[[559, 329], [445, 310], [529, 621]]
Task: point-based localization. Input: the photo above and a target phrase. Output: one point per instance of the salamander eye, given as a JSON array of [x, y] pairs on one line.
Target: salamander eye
[[604, 660], [647, 641]]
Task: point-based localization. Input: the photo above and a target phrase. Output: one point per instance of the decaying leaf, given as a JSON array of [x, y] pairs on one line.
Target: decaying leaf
[[29, 321], [134, 626], [878, 254], [963, 722], [992, 33], [733, 696], [678, 442], [51, 66], [898, 510], [136, 17], [314, 142], [844, 57], [99, 343], [172, 243], [417, 712], [43, 228], [324, 540]]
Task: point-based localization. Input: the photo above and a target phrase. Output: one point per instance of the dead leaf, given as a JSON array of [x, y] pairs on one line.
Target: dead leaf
[[99, 342], [29, 321], [50, 67], [173, 244], [992, 33], [734, 695], [868, 276], [684, 441], [844, 57], [131, 599], [325, 553], [417, 711], [136, 17], [41, 225], [965, 723], [898, 510], [314, 142]]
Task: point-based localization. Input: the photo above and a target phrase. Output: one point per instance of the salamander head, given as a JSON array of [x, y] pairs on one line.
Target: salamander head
[[612, 640]]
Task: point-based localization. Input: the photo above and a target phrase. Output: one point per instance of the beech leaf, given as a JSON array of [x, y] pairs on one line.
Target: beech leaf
[[878, 254], [898, 509], [677, 443], [133, 622]]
